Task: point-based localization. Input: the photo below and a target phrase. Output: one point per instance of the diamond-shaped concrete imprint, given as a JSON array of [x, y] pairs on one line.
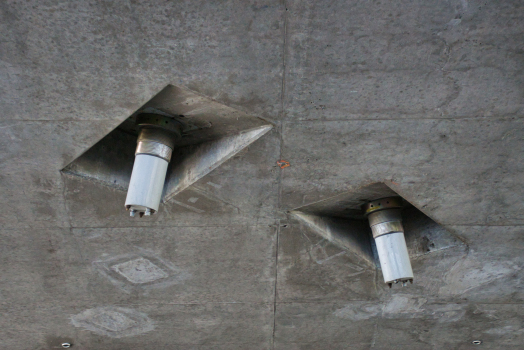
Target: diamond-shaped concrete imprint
[[340, 220], [212, 134], [140, 271], [115, 322]]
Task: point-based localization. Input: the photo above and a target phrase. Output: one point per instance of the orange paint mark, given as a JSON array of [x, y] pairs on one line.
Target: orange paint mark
[[283, 164]]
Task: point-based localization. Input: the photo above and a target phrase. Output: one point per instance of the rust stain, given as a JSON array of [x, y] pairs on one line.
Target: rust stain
[[283, 163]]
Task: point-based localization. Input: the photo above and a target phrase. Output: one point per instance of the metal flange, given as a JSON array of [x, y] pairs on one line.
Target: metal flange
[[157, 135], [384, 215], [157, 121], [385, 219], [382, 203]]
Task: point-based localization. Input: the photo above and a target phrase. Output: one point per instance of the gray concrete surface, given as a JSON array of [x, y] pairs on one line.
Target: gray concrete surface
[[428, 96]]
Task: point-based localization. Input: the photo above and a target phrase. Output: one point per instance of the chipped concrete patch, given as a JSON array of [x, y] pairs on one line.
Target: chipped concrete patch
[[140, 271], [454, 22], [114, 322], [515, 329], [447, 312]]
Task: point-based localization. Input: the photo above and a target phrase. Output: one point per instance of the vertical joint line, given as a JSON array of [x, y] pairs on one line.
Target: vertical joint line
[[282, 113], [275, 288], [284, 51]]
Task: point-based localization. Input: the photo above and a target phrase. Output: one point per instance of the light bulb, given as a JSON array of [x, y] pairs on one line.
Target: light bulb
[[385, 219], [156, 139]]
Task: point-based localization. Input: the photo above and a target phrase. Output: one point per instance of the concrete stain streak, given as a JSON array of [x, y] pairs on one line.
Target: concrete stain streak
[[320, 262], [404, 304], [214, 185], [187, 206], [359, 311], [375, 334], [471, 273], [213, 197]]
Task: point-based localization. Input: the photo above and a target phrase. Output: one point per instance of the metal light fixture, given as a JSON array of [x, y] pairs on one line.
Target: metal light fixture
[[385, 219], [156, 139]]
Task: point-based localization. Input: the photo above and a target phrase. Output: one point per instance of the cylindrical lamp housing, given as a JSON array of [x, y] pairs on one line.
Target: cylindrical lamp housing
[[385, 219], [153, 152], [146, 184]]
